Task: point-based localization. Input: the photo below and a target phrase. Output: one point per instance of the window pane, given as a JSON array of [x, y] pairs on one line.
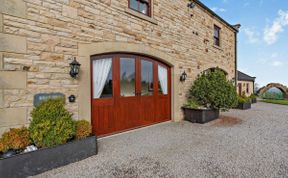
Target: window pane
[[216, 41], [108, 87], [127, 77], [143, 8], [134, 4], [102, 78], [216, 33], [146, 78], [162, 80]]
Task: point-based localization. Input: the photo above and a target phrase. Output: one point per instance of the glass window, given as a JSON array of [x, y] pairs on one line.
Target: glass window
[[127, 76], [134, 4], [108, 87], [141, 6], [216, 35], [146, 78], [102, 78], [247, 88], [162, 80]]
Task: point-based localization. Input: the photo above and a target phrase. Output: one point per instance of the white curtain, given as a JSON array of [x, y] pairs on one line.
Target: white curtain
[[163, 78], [101, 69]]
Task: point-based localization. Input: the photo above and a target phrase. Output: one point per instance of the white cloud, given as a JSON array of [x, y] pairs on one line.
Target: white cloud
[[277, 63], [271, 32], [217, 9], [252, 35]]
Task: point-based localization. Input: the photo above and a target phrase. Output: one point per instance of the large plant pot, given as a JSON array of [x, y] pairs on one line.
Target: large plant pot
[[200, 115], [36, 162], [254, 100], [244, 106]]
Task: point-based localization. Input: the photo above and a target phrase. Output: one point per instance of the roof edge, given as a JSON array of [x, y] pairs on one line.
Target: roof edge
[[235, 28]]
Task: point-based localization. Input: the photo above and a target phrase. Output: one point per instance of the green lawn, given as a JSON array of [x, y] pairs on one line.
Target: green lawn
[[283, 102]]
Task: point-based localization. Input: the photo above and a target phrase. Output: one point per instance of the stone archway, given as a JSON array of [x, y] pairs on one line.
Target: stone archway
[[281, 87], [86, 50]]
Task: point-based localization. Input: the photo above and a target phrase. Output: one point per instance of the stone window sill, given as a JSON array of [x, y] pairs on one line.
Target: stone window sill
[[218, 47], [141, 16]]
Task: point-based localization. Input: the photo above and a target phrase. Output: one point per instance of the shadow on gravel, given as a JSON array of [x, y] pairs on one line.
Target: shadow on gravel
[[141, 167], [226, 121]]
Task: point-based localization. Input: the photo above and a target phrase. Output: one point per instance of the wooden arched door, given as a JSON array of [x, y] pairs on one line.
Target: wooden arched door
[[128, 91]]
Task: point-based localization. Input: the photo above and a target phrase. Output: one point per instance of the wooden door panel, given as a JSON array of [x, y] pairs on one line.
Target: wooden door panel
[[127, 114], [103, 119], [147, 110]]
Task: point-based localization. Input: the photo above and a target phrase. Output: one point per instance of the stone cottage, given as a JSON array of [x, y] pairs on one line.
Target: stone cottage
[[132, 54], [245, 84]]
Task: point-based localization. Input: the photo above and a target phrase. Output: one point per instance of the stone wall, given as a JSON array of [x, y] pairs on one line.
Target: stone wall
[[39, 37]]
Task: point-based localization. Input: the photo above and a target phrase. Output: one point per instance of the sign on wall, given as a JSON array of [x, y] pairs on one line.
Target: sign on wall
[[38, 98]]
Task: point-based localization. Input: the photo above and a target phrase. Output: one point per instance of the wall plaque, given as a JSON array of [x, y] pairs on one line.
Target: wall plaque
[[38, 98]]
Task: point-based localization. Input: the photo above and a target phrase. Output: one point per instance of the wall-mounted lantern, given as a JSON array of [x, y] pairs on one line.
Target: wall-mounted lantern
[[191, 4], [74, 68], [183, 76]]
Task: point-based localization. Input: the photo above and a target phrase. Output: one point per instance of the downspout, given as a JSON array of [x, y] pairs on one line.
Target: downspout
[[236, 65], [236, 27]]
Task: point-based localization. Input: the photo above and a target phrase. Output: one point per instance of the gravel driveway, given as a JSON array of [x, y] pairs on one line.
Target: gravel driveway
[[254, 145]]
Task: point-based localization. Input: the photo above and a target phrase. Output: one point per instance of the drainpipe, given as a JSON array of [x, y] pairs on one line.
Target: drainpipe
[[236, 27]]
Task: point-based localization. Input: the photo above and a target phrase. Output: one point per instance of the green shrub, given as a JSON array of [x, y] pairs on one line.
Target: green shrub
[[213, 90], [15, 138], [191, 103], [51, 123], [83, 129], [243, 99], [253, 96]]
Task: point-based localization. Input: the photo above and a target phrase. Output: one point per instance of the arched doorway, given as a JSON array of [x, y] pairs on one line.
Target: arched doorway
[[279, 86], [128, 91], [273, 93]]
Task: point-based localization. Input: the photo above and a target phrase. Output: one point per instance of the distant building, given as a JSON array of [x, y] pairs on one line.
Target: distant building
[[245, 84]]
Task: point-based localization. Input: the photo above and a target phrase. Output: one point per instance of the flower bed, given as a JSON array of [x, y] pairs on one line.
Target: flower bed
[[53, 139], [36, 162]]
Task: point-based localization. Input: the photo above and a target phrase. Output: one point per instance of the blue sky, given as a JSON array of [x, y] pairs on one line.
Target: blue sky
[[263, 38]]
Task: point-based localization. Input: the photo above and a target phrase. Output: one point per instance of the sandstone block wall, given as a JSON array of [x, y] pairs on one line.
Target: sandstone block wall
[[245, 85], [38, 38]]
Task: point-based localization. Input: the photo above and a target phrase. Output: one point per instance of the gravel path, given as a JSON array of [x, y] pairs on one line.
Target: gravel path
[[254, 145]]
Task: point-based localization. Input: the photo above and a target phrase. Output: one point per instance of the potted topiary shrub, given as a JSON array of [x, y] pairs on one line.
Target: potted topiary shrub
[[253, 98], [14, 141], [244, 102], [210, 93], [83, 129], [59, 139]]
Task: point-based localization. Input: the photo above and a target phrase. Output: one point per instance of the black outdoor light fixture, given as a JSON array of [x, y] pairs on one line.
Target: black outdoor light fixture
[[183, 76], [191, 4], [74, 68]]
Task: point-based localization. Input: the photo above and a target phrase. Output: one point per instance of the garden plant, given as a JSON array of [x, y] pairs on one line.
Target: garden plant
[[213, 90]]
